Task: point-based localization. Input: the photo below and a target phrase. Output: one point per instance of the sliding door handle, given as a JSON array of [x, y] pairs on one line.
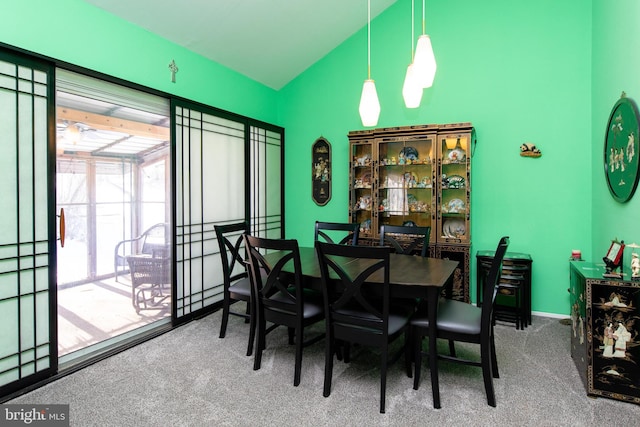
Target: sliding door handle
[[62, 227]]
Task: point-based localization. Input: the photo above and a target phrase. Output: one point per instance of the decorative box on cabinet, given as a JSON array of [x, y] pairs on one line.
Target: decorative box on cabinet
[[605, 343], [420, 175]]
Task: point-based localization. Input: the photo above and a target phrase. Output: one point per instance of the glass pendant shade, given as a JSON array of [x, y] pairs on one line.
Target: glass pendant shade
[[369, 104], [411, 90], [424, 62]]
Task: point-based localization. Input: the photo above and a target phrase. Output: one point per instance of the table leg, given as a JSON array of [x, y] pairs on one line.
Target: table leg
[[432, 304]]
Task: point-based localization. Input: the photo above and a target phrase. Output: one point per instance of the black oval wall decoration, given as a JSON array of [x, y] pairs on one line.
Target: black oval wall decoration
[[321, 171]]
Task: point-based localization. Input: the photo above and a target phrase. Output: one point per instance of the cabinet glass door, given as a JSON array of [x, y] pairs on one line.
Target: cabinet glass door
[[405, 182], [454, 211], [361, 194]]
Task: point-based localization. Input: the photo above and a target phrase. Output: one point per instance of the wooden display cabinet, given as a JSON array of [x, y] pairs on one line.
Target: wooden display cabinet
[[416, 175]]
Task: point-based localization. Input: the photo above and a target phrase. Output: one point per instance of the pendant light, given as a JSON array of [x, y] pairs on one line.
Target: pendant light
[[411, 89], [369, 104], [424, 62]]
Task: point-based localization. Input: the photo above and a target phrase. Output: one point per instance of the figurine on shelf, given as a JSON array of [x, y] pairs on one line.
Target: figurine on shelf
[[425, 182], [635, 266], [363, 161], [364, 203]]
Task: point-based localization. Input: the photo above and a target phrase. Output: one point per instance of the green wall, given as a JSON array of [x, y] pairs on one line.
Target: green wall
[[616, 43], [82, 34], [520, 72]]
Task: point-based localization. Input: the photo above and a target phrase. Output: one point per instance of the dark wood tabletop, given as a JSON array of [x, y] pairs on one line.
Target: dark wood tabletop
[[408, 275]]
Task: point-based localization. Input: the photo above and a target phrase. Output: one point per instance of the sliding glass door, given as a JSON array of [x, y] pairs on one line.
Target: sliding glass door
[[113, 175], [27, 230], [228, 169]]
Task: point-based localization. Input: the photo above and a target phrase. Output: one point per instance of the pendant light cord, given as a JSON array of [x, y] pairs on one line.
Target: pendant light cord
[[423, 18], [413, 20], [369, 39]]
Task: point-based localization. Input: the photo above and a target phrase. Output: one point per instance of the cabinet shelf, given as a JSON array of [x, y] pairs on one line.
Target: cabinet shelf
[[453, 214], [385, 165], [404, 188], [403, 212]]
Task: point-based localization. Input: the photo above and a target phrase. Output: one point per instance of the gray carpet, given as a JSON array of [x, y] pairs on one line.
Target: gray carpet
[[190, 377]]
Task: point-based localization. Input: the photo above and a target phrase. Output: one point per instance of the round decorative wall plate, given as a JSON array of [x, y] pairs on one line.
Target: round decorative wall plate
[[409, 153], [621, 149]]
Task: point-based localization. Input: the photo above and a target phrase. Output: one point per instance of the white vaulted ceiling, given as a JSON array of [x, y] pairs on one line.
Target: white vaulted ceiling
[[270, 41]]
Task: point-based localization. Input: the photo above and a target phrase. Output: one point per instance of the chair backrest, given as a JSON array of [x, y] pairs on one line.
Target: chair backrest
[[350, 303], [326, 230], [274, 278], [230, 241], [155, 238], [491, 285], [405, 239]]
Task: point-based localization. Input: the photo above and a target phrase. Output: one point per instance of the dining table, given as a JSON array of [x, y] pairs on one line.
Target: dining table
[[409, 277]]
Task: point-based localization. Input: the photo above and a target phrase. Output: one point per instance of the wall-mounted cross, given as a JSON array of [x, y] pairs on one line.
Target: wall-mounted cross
[[174, 69]]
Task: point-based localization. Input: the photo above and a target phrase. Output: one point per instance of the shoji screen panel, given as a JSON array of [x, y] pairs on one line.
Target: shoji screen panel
[[267, 182], [27, 231], [210, 190]]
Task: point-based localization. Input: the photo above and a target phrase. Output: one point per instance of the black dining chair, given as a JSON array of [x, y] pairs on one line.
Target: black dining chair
[[405, 240], [337, 232], [237, 285], [360, 312], [462, 322], [281, 298]]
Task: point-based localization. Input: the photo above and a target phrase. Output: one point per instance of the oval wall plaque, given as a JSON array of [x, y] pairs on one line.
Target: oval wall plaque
[[621, 149], [321, 171]]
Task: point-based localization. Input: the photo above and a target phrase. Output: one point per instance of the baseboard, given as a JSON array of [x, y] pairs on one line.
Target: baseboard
[[552, 315]]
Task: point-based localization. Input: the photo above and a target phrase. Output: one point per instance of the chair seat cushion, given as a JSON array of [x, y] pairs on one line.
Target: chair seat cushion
[[241, 288], [454, 316], [312, 306], [398, 316]]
